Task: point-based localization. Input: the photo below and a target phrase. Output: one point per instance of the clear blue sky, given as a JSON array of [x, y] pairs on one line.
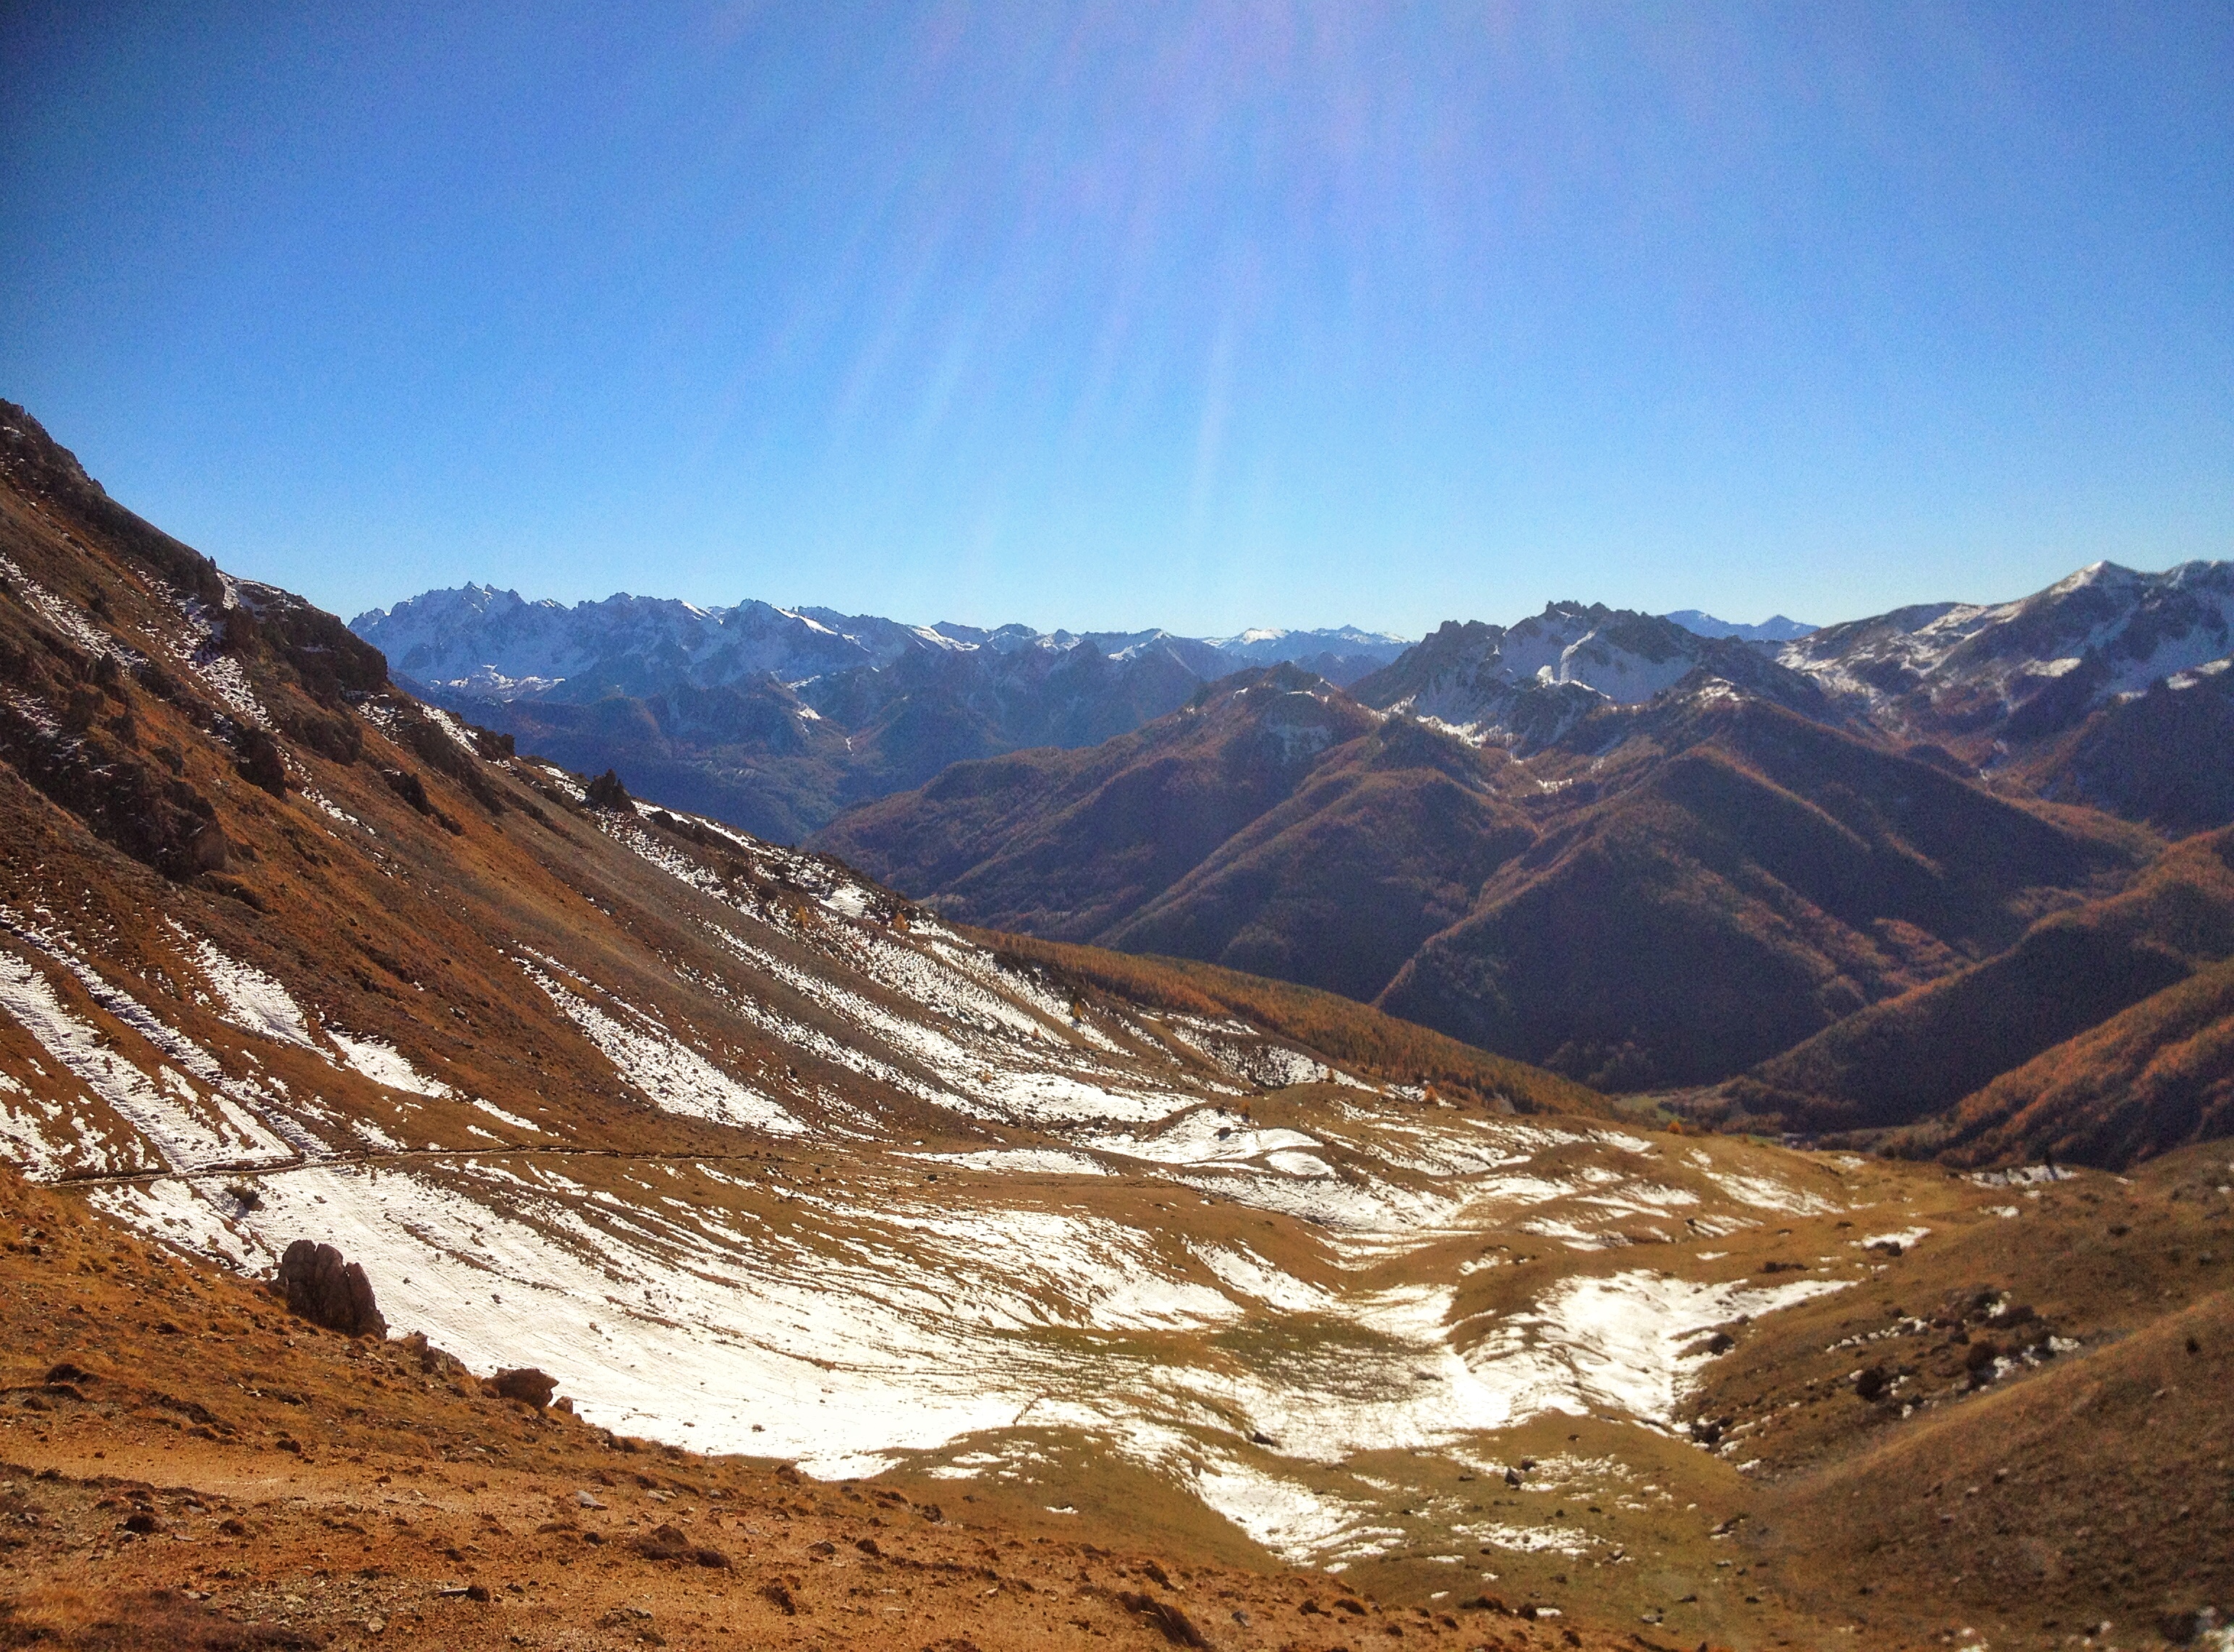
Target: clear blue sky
[[1119, 314]]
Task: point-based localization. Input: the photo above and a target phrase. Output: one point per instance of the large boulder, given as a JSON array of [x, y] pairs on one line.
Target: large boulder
[[321, 1288], [526, 1385]]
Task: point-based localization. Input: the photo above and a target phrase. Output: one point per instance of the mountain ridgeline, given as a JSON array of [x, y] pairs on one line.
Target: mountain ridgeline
[[1841, 884], [1839, 880], [776, 719]]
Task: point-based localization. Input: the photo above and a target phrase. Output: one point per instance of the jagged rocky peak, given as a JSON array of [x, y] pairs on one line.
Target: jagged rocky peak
[[1533, 681], [2026, 668]]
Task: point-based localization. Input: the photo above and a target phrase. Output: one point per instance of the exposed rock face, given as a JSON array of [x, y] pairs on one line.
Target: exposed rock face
[[326, 1290], [607, 792]]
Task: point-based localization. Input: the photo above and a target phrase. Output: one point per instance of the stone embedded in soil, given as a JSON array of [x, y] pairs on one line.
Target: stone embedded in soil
[[527, 1384]]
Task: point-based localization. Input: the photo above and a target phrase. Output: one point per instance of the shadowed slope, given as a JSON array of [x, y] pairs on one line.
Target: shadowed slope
[[1773, 877], [1897, 1060], [1071, 844], [2152, 1078], [1385, 845]]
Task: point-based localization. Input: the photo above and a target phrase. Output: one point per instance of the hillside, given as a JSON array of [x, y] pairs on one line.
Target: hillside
[[1723, 879], [1766, 878], [1921, 1053], [2161, 756], [1272, 825], [2154, 1077], [1071, 844], [1365, 1041]]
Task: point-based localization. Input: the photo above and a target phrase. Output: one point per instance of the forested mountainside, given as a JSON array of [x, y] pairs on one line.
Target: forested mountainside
[[1658, 861]]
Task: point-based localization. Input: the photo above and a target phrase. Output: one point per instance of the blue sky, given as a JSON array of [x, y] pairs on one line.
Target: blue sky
[[1194, 315]]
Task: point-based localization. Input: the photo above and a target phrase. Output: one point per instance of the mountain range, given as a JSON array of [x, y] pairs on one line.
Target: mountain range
[[1775, 629], [1652, 856], [1658, 861], [776, 719], [764, 1255]]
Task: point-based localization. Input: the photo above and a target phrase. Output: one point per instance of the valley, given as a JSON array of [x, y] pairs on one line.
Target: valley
[[1103, 1296]]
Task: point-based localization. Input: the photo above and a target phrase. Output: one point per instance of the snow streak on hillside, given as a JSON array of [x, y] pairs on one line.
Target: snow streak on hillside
[[1212, 1253]]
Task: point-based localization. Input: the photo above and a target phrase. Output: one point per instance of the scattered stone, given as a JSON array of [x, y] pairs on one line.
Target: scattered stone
[[1162, 1615], [672, 1542], [433, 1362], [319, 1286]]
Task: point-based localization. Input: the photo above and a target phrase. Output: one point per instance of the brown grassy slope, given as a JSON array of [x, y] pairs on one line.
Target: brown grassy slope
[[1383, 846], [1768, 879], [208, 1472], [1361, 1039], [2153, 1078], [1922, 1052], [409, 940], [1070, 844], [1855, 1506], [2165, 758], [2093, 1484]]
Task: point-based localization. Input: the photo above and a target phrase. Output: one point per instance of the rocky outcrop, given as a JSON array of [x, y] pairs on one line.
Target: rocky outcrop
[[319, 1286]]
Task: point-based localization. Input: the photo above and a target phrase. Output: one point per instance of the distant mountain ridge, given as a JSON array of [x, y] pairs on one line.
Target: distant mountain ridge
[[1600, 841], [1775, 629], [776, 719], [478, 639]]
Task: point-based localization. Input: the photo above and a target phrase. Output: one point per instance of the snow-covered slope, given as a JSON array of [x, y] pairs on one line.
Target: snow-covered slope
[[1528, 684], [2029, 667]]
